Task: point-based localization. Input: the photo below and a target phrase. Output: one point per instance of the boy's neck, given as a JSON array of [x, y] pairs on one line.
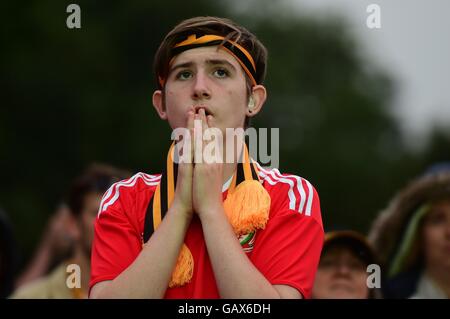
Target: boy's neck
[[228, 171], [230, 168]]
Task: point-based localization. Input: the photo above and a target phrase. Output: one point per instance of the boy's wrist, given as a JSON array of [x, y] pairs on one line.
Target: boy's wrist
[[210, 212], [181, 210]]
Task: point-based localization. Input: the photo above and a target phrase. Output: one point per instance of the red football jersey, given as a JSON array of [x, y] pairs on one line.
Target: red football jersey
[[286, 251]]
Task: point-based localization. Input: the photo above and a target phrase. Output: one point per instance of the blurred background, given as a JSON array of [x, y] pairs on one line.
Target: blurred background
[[361, 111]]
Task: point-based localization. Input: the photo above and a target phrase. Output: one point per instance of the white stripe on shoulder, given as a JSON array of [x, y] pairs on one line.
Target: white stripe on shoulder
[[310, 198], [300, 189], [272, 179], [109, 199], [274, 175]]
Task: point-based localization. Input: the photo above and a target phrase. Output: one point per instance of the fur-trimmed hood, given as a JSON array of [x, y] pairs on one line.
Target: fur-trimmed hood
[[387, 230]]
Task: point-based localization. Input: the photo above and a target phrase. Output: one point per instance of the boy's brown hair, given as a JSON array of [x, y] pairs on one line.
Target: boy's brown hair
[[215, 26]]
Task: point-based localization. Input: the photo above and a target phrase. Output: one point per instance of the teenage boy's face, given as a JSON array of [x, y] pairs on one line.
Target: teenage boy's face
[[208, 78]]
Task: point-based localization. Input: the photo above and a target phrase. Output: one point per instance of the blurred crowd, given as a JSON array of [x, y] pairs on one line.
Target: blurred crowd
[[406, 253], [409, 244], [66, 241]]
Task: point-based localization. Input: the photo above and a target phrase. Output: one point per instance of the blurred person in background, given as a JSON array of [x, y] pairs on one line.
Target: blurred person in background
[[412, 237], [342, 272], [57, 244], [8, 256], [83, 199]]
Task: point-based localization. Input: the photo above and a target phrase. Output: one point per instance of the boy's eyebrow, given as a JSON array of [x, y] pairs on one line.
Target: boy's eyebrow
[[181, 65], [212, 62], [224, 62]]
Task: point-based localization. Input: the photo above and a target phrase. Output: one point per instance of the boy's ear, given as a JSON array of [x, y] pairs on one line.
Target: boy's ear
[[158, 104], [256, 100]]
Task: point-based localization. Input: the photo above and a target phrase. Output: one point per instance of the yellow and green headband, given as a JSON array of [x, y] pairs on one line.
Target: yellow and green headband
[[237, 51]]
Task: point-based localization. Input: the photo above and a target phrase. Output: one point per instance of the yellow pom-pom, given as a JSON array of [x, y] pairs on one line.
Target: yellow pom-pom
[[248, 207], [184, 268]]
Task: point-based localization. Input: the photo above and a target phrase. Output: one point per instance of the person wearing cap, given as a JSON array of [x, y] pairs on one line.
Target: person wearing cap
[[342, 272], [201, 229], [412, 238]]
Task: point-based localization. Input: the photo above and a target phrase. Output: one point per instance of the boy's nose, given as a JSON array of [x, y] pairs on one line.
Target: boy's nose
[[201, 88]]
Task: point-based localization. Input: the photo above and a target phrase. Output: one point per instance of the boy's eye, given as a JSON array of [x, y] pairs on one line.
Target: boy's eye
[[221, 73], [184, 75]]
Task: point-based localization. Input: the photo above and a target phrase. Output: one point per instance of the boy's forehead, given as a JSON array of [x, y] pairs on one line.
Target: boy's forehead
[[204, 54]]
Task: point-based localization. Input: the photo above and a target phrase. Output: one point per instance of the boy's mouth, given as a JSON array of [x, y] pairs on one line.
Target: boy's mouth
[[197, 108]]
